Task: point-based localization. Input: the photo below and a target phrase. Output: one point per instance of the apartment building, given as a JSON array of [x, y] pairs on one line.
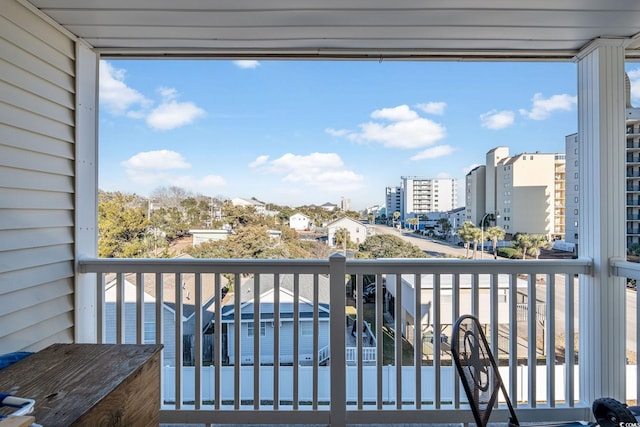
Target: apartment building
[[393, 200], [529, 198], [420, 196], [632, 161], [527, 190], [475, 194]]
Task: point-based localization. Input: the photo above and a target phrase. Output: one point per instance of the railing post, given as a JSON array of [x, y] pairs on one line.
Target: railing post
[[337, 340], [601, 129]]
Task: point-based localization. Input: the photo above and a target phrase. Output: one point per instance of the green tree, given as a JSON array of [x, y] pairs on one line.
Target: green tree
[[388, 246], [523, 242], [445, 225], [538, 242], [238, 216], [121, 228], [343, 238], [414, 222], [494, 234], [467, 233], [476, 236]]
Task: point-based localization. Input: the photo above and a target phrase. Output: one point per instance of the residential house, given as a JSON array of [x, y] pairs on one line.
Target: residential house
[[201, 236], [427, 320], [187, 293], [260, 207], [285, 323], [329, 207], [300, 221], [358, 232]]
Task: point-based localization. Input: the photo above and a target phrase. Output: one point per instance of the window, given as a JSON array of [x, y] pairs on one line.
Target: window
[[576, 163], [575, 187], [575, 175], [575, 236], [575, 223], [575, 151], [263, 329], [575, 199], [575, 211]]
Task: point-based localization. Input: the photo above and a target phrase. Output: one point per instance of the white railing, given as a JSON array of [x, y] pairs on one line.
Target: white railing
[[391, 390], [368, 354]]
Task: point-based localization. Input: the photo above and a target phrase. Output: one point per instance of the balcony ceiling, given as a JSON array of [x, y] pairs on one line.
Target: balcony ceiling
[[375, 29]]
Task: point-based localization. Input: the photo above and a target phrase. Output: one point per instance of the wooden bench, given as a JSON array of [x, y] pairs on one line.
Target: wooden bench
[[89, 384]]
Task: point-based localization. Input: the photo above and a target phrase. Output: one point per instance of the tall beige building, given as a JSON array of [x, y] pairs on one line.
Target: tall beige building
[[475, 194], [527, 190]]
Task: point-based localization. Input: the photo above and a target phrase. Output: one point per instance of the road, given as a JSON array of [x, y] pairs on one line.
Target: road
[[435, 248]]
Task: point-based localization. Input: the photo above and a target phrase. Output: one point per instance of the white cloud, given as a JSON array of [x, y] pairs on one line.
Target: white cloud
[[114, 94], [395, 114], [172, 114], [245, 64], [259, 161], [156, 160], [433, 152], [407, 129], [319, 170], [495, 119], [634, 78], [120, 99], [155, 168], [436, 108], [543, 107]]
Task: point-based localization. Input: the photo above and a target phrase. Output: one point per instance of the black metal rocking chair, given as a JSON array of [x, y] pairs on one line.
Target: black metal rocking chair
[[479, 373]]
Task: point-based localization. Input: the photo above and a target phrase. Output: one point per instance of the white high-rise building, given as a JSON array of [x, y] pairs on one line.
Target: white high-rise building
[[393, 201], [423, 195]]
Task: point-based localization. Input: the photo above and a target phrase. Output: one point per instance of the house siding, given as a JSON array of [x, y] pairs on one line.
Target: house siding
[[266, 343], [168, 325], [37, 151]]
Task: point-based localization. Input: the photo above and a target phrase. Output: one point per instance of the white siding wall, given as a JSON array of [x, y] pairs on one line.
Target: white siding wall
[[37, 135]]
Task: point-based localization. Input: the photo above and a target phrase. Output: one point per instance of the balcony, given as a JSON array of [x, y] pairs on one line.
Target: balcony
[[51, 292], [201, 382]]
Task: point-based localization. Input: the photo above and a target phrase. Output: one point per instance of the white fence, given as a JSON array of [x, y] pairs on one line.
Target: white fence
[[368, 381]]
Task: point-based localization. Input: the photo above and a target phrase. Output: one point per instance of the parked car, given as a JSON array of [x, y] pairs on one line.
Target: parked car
[[369, 292]]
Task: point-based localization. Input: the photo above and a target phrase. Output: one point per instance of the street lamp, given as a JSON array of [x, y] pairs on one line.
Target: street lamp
[[495, 215]]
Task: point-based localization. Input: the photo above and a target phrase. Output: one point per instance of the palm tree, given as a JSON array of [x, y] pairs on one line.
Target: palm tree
[[523, 242], [477, 236], [494, 234], [445, 226], [466, 233], [414, 222], [396, 216], [538, 241]]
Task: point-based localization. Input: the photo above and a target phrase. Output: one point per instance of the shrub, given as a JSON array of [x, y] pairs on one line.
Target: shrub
[[509, 253]]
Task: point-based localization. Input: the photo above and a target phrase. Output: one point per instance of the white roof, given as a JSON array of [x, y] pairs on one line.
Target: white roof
[[372, 29]]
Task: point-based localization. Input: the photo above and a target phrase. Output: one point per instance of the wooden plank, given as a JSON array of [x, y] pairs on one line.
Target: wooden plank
[[90, 384], [18, 421]]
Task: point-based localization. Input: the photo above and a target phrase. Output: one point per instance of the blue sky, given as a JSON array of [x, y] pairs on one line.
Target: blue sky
[[310, 132]]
